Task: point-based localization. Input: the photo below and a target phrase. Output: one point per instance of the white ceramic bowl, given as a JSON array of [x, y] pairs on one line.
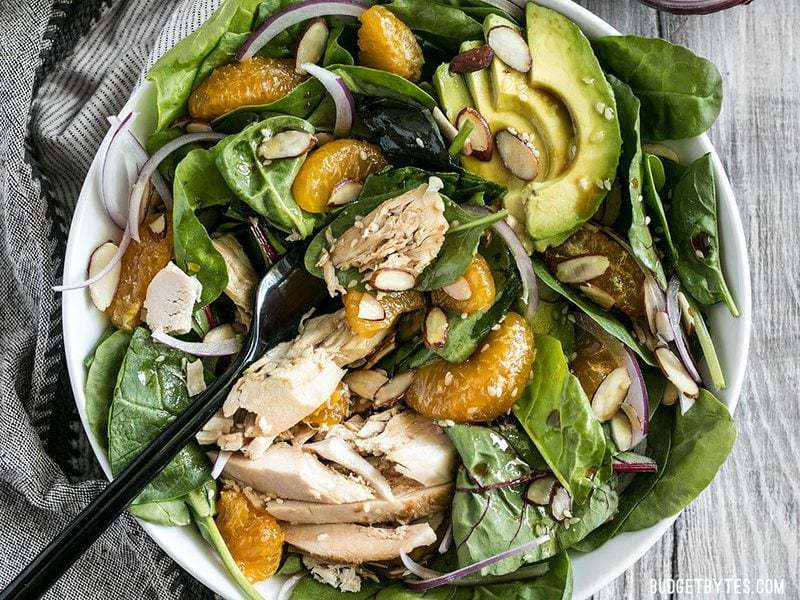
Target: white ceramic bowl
[[83, 325]]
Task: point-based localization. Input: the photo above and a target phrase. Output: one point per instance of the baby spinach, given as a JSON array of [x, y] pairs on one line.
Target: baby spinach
[[630, 169], [169, 512], [100, 381], [444, 25], [309, 588], [382, 84], [651, 166], [681, 93], [198, 184], [556, 414], [335, 52], [266, 188], [692, 216], [459, 187], [604, 319], [551, 319]]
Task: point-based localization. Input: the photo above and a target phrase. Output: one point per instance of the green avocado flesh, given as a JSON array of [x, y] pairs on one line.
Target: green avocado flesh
[[566, 107]]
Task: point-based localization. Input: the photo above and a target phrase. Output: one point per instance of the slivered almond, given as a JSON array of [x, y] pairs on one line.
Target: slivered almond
[[392, 280], [158, 224], [611, 393], [582, 268], [286, 144], [597, 295], [365, 383], [518, 156], [344, 192], [541, 490], [621, 431], [102, 291], [312, 44], [459, 289], [472, 60], [561, 504], [674, 370], [481, 142], [435, 328], [446, 128], [370, 309], [510, 47], [686, 314], [663, 327], [670, 395], [393, 389], [633, 416], [197, 127]]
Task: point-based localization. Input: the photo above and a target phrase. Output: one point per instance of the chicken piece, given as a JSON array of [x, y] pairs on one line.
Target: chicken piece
[[356, 544], [286, 471], [333, 333], [170, 300], [409, 507], [405, 233], [419, 448], [242, 277]]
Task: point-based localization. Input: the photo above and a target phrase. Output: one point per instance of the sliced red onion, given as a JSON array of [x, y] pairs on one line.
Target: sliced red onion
[[123, 245], [297, 13], [417, 569], [220, 462], [447, 540], [270, 252], [694, 7], [654, 303], [515, 10], [285, 593], [342, 98], [220, 348], [530, 292], [629, 462], [120, 128], [674, 314], [135, 207], [447, 578]]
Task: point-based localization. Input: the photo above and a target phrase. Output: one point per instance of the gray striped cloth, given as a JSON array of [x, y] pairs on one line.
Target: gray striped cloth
[[64, 66]]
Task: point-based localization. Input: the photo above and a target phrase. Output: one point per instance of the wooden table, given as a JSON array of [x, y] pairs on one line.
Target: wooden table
[[747, 523]]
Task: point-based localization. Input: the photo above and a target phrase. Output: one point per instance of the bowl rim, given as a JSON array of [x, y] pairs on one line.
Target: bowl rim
[[200, 562]]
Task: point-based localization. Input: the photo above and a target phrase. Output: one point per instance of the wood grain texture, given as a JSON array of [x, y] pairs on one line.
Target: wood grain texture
[[746, 525]]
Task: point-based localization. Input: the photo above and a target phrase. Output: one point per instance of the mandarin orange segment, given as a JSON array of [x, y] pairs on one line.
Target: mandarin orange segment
[[483, 387], [481, 285], [394, 304], [388, 44], [592, 363], [332, 412], [251, 82], [140, 263], [253, 536], [330, 164]]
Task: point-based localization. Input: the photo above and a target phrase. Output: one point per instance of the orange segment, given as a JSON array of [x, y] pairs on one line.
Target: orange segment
[[481, 284], [483, 387], [252, 535], [250, 82], [386, 43], [330, 413], [592, 363], [330, 164], [394, 304]]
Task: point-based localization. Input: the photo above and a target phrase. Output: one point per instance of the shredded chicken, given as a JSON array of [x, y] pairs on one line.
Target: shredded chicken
[[242, 277]]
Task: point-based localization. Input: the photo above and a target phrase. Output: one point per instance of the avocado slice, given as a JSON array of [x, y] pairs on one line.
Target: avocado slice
[[566, 106]]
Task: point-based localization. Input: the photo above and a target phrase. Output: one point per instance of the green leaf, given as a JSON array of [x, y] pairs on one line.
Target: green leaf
[[266, 188], [630, 170], [551, 319], [650, 168], [292, 565], [693, 221], [335, 52], [681, 93], [309, 588], [459, 187], [169, 513], [446, 26], [100, 382], [606, 320], [556, 414], [374, 82], [198, 185]]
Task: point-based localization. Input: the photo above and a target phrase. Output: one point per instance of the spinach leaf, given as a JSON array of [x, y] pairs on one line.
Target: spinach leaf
[[681, 93], [551, 319], [650, 167], [169, 512], [198, 184], [309, 588], [150, 392], [335, 52], [606, 320], [631, 175], [107, 332], [175, 72], [692, 217], [158, 139], [266, 188], [100, 382], [382, 84], [446, 26], [459, 187]]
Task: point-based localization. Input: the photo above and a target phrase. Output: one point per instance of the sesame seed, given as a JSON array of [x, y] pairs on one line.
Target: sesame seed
[[647, 220], [608, 114], [640, 198], [419, 143], [584, 184], [607, 184], [600, 107], [448, 378], [495, 327], [464, 315], [588, 80], [485, 348], [362, 155]]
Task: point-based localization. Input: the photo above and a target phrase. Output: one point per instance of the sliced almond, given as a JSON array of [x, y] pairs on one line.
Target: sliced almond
[[663, 328], [435, 328], [653, 302], [344, 192], [158, 225], [481, 143], [686, 404], [621, 431], [392, 280], [197, 127], [674, 370], [102, 291], [597, 295], [686, 314], [582, 268], [540, 491], [459, 289], [633, 416], [393, 389], [510, 47], [365, 383], [370, 309], [670, 394], [561, 504], [312, 44], [447, 129], [517, 155], [286, 144], [472, 60], [387, 346], [611, 393]]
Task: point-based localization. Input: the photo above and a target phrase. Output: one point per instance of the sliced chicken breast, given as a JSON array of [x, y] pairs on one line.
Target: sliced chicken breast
[[170, 300]]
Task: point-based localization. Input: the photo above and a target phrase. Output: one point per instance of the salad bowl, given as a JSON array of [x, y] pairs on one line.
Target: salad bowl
[[83, 325]]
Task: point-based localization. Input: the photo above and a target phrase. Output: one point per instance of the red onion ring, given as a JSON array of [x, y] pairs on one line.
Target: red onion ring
[[342, 98], [120, 127], [123, 245], [674, 315], [221, 348], [296, 13], [417, 569], [694, 7], [285, 593], [530, 291]]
